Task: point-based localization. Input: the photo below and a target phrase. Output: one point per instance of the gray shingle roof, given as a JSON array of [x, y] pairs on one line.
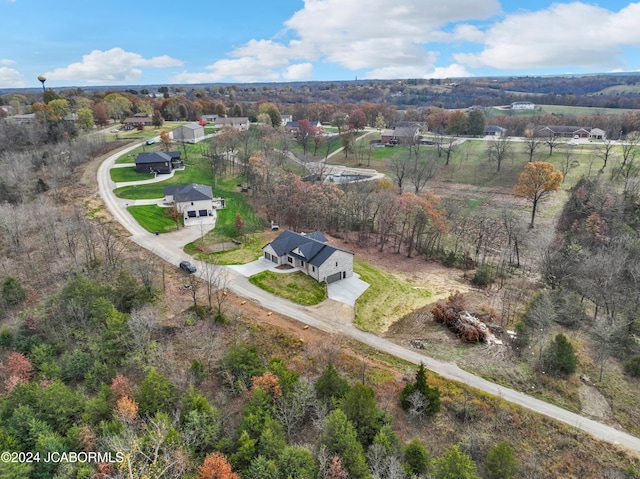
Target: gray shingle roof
[[191, 192], [155, 157], [312, 246]]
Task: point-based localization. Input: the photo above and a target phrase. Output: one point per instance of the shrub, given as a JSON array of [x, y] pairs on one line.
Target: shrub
[[13, 292], [632, 366]]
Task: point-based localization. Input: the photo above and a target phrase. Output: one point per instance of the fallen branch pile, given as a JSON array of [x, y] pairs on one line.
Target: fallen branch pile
[[454, 316]]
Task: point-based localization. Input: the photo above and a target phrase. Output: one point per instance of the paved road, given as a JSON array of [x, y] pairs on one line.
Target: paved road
[[169, 247]]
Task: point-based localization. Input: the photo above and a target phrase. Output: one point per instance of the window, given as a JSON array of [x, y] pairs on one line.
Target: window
[[336, 264], [301, 263], [313, 268], [289, 259]]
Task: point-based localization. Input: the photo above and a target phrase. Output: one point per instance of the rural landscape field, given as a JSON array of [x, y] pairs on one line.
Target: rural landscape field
[[481, 318]]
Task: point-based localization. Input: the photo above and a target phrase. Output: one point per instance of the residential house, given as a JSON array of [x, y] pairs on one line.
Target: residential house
[[136, 121], [403, 132], [495, 130], [286, 119], [239, 123], [292, 127], [562, 131], [157, 162], [193, 200], [311, 254], [27, 119], [522, 105], [209, 118]]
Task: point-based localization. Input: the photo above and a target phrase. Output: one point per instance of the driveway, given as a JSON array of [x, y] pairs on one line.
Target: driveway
[[345, 291], [169, 247]]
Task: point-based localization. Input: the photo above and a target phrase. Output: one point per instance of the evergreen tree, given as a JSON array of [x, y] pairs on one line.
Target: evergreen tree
[[560, 357], [454, 464], [340, 438], [330, 386], [429, 403], [501, 462], [416, 458], [361, 409]]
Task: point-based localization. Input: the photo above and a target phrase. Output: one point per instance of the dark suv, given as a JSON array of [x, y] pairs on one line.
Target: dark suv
[[187, 267]]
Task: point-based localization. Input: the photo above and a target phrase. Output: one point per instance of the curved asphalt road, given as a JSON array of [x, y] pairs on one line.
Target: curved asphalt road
[[169, 247]]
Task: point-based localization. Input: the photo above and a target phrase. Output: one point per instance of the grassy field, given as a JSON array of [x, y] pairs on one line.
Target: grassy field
[[196, 171], [558, 110], [128, 174], [386, 300], [296, 286], [249, 249], [152, 218]]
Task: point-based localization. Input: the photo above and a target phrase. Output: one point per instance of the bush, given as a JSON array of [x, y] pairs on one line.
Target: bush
[[13, 292], [632, 366], [483, 276]]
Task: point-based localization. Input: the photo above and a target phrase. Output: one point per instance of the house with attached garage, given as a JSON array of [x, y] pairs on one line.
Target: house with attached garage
[[193, 200], [311, 254], [159, 162]]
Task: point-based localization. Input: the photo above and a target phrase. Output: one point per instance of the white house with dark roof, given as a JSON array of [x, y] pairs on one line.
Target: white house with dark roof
[[311, 254], [193, 200], [189, 133]]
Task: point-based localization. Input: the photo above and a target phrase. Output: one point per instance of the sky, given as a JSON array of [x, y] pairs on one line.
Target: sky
[[117, 42]]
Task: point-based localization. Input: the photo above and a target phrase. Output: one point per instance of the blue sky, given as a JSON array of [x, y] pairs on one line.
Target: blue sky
[[116, 42]]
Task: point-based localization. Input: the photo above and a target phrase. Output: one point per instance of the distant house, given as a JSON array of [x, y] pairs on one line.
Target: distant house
[[157, 162], [561, 131], [136, 121], [286, 119], [209, 118], [193, 200], [189, 133], [403, 132], [522, 105], [27, 119], [293, 127], [311, 254], [495, 130], [239, 123]]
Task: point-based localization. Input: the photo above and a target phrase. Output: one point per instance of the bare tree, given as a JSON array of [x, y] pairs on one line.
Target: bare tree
[[604, 151], [216, 280], [499, 149], [532, 144], [552, 141], [400, 168]]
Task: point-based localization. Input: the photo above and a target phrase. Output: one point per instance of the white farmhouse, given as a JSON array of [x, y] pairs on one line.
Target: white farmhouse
[[310, 254], [193, 200]]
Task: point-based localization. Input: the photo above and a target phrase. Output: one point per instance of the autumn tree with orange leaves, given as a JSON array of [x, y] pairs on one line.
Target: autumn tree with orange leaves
[[216, 466], [537, 179]]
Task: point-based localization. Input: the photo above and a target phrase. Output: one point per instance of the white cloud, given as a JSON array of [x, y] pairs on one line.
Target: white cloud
[[377, 35], [10, 78], [6, 62], [111, 67], [571, 34], [298, 72]]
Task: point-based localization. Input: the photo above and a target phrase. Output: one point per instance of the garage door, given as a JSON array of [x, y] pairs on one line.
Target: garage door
[[334, 277]]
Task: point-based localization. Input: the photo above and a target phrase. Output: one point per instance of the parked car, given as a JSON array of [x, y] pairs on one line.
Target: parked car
[[187, 267]]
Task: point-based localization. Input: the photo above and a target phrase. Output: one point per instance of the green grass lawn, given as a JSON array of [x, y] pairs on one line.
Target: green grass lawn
[[196, 171], [250, 249], [152, 218], [128, 174], [296, 286], [387, 299]]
